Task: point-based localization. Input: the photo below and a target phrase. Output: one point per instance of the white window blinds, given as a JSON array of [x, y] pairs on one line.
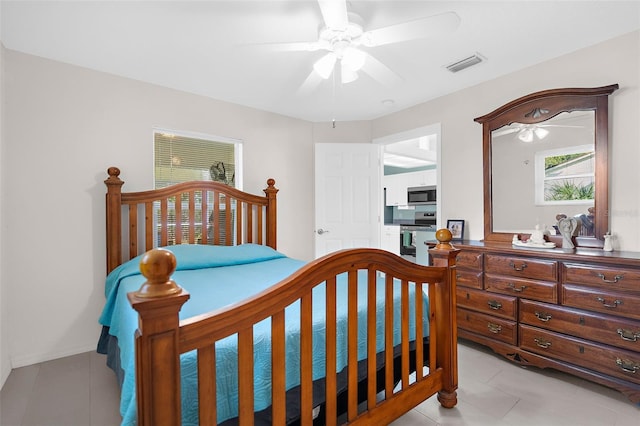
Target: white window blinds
[[181, 158]]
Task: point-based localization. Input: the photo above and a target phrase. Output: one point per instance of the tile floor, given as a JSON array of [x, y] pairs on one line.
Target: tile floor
[[81, 391]]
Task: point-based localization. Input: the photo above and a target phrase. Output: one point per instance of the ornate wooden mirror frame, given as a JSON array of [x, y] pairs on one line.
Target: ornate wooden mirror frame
[[541, 106]]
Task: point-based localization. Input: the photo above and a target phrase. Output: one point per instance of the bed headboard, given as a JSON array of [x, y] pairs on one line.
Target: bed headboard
[[140, 221]]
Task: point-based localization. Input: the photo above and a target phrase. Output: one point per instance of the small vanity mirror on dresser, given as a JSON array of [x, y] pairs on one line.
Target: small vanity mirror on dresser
[[546, 155]]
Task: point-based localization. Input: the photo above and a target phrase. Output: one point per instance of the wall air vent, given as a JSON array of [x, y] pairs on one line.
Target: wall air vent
[[465, 63]]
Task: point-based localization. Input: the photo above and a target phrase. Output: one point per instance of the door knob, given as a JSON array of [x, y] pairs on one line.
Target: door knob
[[321, 231]]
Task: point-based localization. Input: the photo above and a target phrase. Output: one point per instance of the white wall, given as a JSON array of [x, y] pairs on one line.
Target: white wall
[[64, 127], [461, 191], [5, 360]]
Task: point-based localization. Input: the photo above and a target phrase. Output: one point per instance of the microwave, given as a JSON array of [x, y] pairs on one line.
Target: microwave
[[420, 195]]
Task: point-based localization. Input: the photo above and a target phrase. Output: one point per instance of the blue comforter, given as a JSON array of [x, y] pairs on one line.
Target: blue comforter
[[217, 276]]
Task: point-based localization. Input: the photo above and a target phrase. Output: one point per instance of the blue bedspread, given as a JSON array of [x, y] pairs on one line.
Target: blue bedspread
[[217, 276]]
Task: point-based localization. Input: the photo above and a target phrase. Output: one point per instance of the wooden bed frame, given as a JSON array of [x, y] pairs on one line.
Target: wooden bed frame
[[162, 337]]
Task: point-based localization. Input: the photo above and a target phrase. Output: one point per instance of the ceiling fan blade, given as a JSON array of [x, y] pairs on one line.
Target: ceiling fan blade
[[420, 28], [310, 84], [300, 46], [506, 131], [560, 125], [334, 13], [380, 72]]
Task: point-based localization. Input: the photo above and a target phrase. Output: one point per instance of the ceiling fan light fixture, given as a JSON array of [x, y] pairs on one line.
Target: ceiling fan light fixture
[[353, 58], [526, 135], [347, 75], [324, 66], [540, 132]]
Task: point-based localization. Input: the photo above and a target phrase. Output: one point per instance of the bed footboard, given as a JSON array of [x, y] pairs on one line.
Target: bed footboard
[[162, 337]]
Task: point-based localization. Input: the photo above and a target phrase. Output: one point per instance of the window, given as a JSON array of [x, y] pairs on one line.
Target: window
[[186, 157], [565, 176], [180, 158]]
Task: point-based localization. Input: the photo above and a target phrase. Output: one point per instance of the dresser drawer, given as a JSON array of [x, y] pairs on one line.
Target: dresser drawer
[[521, 267], [469, 260], [537, 290], [613, 303], [486, 325], [605, 359], [617, 279], [489, 303], [468, 278], [587, 325]]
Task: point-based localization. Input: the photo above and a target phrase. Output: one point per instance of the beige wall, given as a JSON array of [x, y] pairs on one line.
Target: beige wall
[[615, 61], [64, 126], [5, 359]]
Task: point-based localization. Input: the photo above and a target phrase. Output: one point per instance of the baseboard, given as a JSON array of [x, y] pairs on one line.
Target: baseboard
[[23, 361]]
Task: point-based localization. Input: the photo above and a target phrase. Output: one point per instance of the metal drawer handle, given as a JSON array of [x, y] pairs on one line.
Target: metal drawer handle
[[613, 281], [606, 305], [628, 365], [544, 317], [628, 335], [512, 286], [516, 268], [542, 343], [494, 304], [494, 328]]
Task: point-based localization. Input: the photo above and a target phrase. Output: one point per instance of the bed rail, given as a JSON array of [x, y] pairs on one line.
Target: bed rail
[[198, 212], [161, 338]]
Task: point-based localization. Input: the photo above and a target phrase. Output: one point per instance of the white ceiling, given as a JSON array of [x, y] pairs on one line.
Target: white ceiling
[[212, 48]]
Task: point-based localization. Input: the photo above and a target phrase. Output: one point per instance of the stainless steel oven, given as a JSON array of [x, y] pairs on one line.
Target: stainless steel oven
[[410, 240]]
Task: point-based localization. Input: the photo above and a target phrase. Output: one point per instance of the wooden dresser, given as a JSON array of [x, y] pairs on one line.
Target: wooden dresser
[[577, 311]]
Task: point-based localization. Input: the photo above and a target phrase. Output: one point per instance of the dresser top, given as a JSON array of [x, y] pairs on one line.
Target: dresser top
[[578, 254]]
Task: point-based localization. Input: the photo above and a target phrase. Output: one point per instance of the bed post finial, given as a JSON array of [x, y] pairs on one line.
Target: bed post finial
[[114, 218], [158, 303], [444, 254], [157, 266], [272, 211]]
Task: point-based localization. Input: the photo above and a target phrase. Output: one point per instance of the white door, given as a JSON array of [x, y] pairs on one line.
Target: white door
[[348, 196]]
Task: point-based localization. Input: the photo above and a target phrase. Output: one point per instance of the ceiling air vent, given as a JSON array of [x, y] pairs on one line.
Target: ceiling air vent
[[465, 63]]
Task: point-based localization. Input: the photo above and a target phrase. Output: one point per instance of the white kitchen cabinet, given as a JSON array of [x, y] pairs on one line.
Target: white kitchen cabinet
[[390, 240], [397, 185], [396, 189], [421, 178]]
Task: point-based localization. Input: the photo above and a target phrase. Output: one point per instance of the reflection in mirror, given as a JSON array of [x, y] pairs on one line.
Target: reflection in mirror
[[538, 165], [543, 170]]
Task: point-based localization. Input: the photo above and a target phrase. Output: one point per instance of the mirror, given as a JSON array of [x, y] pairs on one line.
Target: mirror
[[545, 155]]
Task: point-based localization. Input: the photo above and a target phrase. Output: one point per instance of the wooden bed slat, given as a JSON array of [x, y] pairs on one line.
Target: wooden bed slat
[[205, 217], [388, 336], [245, 376], [352, 346], [331, 367], [148, 228], [164, 222], [207, 412], [419, 331], [279, 408], [371, 338], [228, 229], [404, 333], [306, 363], [133, 231], [192, 217]]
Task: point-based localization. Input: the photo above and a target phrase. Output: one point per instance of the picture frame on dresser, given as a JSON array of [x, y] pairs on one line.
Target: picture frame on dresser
[[456, 226]]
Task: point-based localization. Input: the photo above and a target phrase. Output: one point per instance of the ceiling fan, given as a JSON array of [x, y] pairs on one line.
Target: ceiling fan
[[343, 38], [528, 132]]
